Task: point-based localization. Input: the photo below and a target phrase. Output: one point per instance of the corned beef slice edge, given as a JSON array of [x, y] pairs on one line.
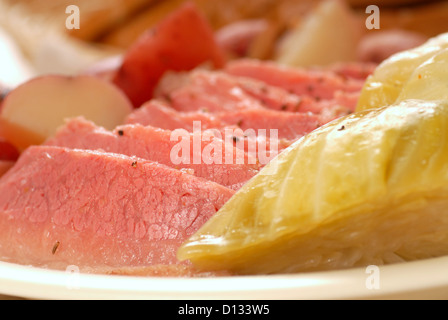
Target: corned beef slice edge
[[156, 145], [158, 113], [61, 207], [317, 84]]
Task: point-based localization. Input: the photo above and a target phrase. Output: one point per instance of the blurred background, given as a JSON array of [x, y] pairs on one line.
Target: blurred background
[[34, 39]]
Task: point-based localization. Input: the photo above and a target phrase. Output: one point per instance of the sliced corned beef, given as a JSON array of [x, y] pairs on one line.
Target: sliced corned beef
[[97, 210], [318, 84], [155, 144], [289, 125], [217, 92], [209, 91], [234, 92], [159, 114]]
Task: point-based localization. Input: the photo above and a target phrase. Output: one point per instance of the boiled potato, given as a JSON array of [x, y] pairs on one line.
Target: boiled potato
[[32, 112], [317, 41], [370, 188]]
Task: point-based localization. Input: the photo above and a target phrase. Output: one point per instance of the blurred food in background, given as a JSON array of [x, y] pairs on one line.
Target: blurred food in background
[[292, 32]]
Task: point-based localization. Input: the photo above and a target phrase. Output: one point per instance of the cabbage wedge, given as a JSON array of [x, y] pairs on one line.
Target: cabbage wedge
[[369, 188]]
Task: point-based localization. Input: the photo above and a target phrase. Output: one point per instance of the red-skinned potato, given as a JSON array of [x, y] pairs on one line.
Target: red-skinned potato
[[182, 41], [8, 152], [33, 111]]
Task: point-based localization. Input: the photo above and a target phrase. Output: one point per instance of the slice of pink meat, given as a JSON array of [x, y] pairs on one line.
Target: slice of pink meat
[[208, 157], [309, 84], [208, 91], [290, 125], [315, 82], [198, 91], [159, 114], [97, 210]]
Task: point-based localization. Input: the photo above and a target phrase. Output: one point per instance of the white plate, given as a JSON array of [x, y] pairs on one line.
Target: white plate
[[427, 279]]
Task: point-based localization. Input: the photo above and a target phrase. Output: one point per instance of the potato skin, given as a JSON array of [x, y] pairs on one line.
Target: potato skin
[[180, 42]]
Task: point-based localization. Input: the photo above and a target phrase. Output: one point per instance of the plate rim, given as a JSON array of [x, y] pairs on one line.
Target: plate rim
[[398, 281]]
